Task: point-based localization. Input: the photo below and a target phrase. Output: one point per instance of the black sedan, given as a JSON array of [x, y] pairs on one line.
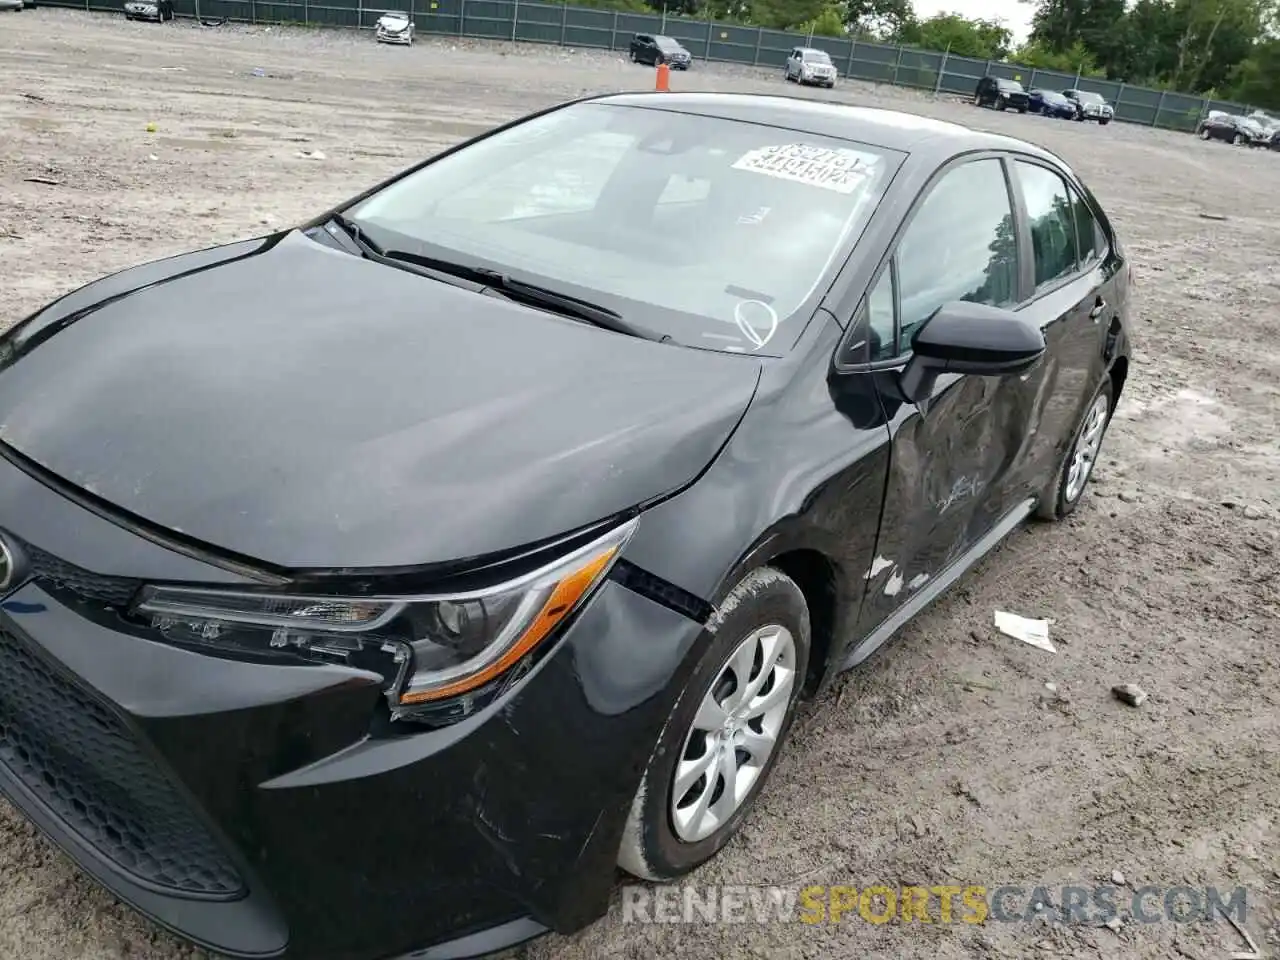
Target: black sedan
[[1242, 131], [384, 583], [1051, 103]]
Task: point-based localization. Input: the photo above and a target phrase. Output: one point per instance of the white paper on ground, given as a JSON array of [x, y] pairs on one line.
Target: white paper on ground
[[1034, 632]]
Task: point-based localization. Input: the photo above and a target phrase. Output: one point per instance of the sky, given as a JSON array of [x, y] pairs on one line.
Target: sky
[[1016, 16]]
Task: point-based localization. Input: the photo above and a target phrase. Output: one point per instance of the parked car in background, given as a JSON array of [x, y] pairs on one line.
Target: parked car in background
[[14, 5], [807, 65], [1093, 106], [1051, 103], [307, 661], [1270, 126], [1001, 94], [1232, 128], [394, 26], [654, 49], [157, 10]]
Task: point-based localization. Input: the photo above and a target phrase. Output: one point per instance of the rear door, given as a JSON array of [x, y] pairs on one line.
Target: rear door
[[949, 452]]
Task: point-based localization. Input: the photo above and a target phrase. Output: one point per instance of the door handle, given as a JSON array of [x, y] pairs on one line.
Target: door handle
[[1098, 306]]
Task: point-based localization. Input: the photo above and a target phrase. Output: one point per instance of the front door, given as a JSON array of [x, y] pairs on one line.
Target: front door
[[950, 451]]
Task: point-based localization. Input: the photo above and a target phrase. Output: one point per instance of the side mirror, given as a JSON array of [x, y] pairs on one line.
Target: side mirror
[[972, 338]]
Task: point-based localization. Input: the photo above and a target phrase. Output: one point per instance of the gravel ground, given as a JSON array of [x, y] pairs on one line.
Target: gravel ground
[[948, 758]]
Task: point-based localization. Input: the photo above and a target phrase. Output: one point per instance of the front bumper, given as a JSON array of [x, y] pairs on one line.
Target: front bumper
[[256, 809], [404, 37], [145, 13]]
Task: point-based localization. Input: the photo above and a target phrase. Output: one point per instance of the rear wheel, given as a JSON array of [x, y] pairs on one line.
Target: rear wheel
[[722, 739], [1086, 444]]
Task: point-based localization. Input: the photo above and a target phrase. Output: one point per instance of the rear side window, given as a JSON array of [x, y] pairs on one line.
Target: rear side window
[[1052, 221], [960, 245]]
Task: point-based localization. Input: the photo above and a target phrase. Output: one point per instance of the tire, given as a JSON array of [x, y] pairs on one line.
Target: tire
[[1000, 104], [652, 846], [1022, 109], [1065, 495], [1237, 140], [1104, 121], [1203, 133], [977, 100], [659, 60], [632, 55]]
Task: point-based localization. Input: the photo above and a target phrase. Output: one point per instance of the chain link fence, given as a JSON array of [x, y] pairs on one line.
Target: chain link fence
[[576, 26]]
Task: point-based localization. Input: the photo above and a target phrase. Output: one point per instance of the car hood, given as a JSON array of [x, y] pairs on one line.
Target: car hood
[[311, 409]]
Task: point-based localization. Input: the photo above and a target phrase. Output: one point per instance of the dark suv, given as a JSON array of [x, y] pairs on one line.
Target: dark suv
[[653, 50], [1001, 94]]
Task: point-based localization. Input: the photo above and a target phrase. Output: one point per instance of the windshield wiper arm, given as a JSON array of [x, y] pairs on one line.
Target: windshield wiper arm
[[358, 236], [532, 294]]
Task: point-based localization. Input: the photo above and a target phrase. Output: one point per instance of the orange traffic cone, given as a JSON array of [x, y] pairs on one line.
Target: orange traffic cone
[[664, 78]]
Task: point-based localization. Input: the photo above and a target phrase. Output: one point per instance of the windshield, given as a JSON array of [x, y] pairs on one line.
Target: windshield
[[1013, 86], [666, 43], [816, 56], [1086, 97], [715, 232]]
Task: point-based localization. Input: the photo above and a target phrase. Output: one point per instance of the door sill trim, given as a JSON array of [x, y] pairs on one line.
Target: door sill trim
[[938, 585]]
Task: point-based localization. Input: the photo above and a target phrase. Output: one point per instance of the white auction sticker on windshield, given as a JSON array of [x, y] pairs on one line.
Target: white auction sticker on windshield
[[838, 169]]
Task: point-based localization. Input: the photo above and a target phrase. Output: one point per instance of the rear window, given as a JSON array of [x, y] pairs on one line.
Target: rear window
[[715, 231]]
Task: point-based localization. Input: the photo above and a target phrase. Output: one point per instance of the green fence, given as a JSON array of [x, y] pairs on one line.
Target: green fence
[[576, 26]]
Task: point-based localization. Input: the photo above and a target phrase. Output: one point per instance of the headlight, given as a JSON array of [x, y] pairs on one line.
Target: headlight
[[433, 648]]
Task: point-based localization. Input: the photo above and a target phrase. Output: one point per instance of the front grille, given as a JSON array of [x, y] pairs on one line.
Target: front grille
[[80, 760], [50, 571]]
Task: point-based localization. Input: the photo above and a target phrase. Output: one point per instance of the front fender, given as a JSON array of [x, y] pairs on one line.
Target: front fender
[[805, 471]]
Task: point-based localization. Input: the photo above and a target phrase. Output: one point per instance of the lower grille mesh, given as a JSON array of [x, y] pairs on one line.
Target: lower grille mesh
[[82, 762]]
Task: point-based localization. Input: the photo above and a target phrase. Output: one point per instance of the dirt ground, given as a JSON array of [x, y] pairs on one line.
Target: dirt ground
[[948, 758]]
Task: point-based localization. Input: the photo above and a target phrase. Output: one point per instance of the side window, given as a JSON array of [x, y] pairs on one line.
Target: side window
[[1053, 232], [960, 245], [1088, 233]]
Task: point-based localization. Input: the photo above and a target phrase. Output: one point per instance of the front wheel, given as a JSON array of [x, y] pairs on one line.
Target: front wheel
[[1237, 140], [722, 739], [1086, 445], [1104, 121]]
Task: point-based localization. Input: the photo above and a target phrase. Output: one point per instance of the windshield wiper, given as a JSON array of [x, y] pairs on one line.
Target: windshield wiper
[[531, 294], [352, 230], [528, 293]]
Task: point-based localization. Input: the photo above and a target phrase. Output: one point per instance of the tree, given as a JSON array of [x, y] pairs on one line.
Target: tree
[[1257, 78], [785, 14], [878, 19], [1192, 45], [982, 39]]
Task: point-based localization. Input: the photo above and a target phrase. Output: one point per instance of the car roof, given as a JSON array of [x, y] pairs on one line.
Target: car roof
[[892, 129]]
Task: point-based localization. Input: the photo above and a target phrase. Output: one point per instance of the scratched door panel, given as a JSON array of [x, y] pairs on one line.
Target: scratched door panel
[[943, 456]]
